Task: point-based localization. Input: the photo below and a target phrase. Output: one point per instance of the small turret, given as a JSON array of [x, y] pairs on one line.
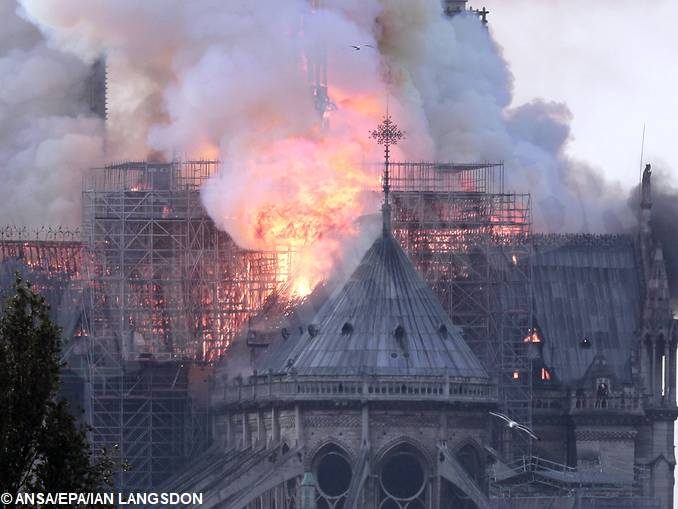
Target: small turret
[[95, 88], [308, 487]]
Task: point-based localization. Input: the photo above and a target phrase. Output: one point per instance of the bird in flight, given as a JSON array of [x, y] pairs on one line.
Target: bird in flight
[[358, 48], [514, 425]]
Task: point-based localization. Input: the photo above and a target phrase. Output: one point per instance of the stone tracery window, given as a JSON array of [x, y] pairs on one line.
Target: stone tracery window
[[333, 474], [403, 480]]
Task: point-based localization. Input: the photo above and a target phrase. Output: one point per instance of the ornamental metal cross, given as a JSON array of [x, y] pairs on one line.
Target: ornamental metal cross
[[483, 14], [387, 133]]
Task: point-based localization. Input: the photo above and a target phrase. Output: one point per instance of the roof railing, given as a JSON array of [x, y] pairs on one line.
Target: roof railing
[[290, 387]]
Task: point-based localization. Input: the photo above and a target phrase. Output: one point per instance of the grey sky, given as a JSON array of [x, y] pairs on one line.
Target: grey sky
[[613, 62]]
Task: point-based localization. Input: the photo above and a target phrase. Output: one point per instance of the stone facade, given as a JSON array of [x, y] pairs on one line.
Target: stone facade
[[366, 435], [378, 402]]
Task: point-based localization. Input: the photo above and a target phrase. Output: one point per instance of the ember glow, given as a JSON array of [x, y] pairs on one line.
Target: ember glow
[[300, 194], [532, 336]]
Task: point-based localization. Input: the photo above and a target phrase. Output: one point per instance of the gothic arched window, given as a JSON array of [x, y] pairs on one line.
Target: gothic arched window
[[333, 474], [403, 479]]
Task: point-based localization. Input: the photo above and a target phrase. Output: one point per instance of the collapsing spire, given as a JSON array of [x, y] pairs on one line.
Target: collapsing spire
[[387, 133]]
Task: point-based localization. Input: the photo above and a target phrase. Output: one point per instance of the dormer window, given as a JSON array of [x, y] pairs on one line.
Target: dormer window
[[603, 385], [532, 336], [602, 392], [400, 337]]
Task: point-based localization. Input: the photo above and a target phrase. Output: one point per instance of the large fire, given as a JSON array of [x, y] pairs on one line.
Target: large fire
[[303, 193]]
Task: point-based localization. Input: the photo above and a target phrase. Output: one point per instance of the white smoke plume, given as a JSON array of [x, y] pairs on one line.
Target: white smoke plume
[[229, 80], [455, 75], [47, 137]]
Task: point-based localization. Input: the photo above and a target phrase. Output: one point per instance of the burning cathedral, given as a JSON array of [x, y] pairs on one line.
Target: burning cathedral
[[370, 394], [464, 362]]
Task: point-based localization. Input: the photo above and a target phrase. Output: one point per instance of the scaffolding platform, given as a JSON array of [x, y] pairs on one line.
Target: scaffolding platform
[[169, 292], [471, 241]]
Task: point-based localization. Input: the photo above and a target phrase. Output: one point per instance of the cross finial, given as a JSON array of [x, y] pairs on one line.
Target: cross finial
[[387, 133], [483, 14]]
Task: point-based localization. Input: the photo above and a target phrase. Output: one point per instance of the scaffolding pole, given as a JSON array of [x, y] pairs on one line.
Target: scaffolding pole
[[470, 240], [168, 291]]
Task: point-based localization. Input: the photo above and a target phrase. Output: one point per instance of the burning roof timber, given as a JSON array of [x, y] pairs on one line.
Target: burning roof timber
[[442, 214]]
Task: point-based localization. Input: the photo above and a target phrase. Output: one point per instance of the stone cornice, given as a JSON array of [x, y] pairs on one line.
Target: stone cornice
[[661, 413], [607, 418], [590, 435]]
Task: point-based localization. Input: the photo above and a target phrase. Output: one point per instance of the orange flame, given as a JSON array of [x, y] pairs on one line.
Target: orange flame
[[303, 195], [532, 336]]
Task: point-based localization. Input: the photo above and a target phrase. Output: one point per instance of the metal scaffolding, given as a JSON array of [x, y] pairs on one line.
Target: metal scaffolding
[[170, 284], [471, 242], [157, 292], [50, 259], [169, 291]]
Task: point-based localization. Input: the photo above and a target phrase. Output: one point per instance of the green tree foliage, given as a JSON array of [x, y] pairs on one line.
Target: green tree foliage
[[42, 448]]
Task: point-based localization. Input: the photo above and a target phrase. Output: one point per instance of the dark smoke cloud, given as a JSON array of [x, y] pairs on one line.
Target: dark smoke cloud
[[664, 220]]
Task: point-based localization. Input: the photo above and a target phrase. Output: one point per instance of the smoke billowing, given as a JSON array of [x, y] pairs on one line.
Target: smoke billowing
[[664, 215], [454, 76], [47, 137], [233, 80]]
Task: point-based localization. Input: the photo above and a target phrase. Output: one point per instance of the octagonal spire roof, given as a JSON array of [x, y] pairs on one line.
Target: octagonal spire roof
[[384, 320]]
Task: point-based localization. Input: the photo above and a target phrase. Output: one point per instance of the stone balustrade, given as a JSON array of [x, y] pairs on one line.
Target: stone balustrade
[[290, 388], [589, 403]]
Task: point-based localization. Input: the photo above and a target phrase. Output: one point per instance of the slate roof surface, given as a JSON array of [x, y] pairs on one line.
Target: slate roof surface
[[384, 320], [586, 287]]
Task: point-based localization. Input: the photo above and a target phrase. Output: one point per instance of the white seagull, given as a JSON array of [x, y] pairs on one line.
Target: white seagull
[[514, 425], [358, 48]]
